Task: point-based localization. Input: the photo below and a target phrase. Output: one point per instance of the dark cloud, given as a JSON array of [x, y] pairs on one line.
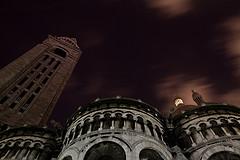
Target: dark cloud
[[150, 50]]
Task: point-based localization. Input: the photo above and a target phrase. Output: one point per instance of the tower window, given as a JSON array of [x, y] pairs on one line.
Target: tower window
[[37, 66], [22, 81], [22, 95], [44, 69], [38, 76], [55, 67], [45, 80], [14, 89], [45, 57], [13, 105], [4, 99], [37, 90], [30, 85], [60, 52], [51, 61], [50, 73]]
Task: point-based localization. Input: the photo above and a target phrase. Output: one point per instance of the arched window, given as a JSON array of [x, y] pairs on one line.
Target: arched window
[[105, 151], [107, 121], [203, 127], [67, 158], [149, 154], [225, 155], [217, 129], [96, 123], [60, 52], [86, 127]]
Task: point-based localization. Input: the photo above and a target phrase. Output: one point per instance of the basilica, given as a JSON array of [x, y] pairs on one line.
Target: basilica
[[115, 128]]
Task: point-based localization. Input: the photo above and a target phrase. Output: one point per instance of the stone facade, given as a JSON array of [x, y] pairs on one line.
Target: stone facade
[[107, 129], [126, 123], [30, 143]]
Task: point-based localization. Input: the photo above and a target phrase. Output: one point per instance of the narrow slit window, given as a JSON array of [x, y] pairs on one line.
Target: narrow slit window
[[22, 110], [56, 66], [51, 61], [30, 73], [22, 95], [44, 69], [37, 66], [38, 76], [60, 52], [45, 80], [50, 73], [4, 99], [14, 89], [30, 85], [30, 99], [45, 57], [22, 81], [37, 89], [13, 105]]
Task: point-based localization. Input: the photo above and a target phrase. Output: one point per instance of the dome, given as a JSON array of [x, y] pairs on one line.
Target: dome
[[116, 102]]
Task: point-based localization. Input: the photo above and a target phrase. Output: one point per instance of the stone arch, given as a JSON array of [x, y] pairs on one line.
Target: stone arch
[[210, 151], [104, 151], [130, 123], [67, 158], [72, 151], [203, 129], [224, 155], [60, 52], [201, 121], [71, 135], [107, 120], [77, 131], [150, 126], [161, 149], [86, 126], [148, 153], [96, 122], [118, 123], [122, 142], [216, 128], [141, 122], [159, 133]]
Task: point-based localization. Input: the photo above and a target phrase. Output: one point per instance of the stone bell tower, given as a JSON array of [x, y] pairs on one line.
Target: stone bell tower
[[31, 85]]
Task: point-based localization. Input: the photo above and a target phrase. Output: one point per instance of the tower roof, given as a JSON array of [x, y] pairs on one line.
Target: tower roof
[[69, 41]]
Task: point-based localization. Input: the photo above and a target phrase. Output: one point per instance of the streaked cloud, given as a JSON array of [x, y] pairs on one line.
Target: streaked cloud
[[170, 7]]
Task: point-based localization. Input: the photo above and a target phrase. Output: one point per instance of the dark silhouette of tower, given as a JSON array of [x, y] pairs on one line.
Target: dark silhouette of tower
[[31, 84]]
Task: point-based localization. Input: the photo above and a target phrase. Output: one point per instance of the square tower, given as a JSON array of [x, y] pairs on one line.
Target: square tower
[[31, 85]]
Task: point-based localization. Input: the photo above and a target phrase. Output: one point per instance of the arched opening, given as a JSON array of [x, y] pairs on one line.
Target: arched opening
[[105, 151], [107, 121], [96, 123], [140, 121], [203, 127], [227, 126], [130, 122], [224, 155], [159, 134], [149, 154], [67, 158], [86, 127], [217, 129], [60, 52]]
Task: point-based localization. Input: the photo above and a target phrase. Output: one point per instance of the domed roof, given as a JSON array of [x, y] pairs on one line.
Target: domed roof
[[119, 102]]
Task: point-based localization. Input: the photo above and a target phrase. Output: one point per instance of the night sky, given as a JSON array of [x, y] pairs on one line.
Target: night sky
[[151, 50]]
